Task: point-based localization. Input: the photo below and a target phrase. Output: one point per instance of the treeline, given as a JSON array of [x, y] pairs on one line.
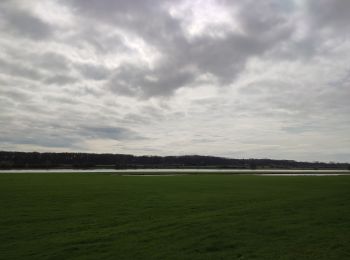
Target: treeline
[[35, 160]]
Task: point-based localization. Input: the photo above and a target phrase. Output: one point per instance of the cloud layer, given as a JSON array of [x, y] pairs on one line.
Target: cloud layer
[[229, 78]]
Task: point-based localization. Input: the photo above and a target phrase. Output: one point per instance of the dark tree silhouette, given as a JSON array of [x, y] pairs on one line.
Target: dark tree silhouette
[[34, 160]]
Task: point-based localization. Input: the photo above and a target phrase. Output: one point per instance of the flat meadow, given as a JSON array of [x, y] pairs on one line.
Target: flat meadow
[[209, 216]]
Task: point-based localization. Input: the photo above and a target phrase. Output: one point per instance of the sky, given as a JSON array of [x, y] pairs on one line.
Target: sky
[[239, 79]]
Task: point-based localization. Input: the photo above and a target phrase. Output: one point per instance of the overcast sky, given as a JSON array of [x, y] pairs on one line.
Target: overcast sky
[[240, 79]]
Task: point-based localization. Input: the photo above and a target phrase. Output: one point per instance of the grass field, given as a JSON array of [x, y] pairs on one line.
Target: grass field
[[101, 216]]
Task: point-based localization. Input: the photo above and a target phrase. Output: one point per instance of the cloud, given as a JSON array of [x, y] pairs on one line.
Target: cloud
[[133, 81], [329, 13], [94, 72], [114, 133], [51, 61], [19, 70], [22, 23], [231, 78], [182, 59], [60, 80]]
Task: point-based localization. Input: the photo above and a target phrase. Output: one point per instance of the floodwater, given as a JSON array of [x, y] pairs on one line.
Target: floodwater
[[171, 172], [304, 174]]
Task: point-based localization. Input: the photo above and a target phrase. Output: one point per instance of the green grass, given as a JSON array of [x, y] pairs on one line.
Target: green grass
[[100, 216]]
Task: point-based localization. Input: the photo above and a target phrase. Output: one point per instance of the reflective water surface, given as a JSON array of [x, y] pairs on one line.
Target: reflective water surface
[[282, 172]]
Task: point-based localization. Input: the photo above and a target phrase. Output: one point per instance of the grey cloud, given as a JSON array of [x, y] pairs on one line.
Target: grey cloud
[[94, 72], [60, 99], [53, 134], [48, 67], [136, 118], [336, 100], [42, 140], [322, 20], [281, 98], [267, 87], [31, 131], [19, 70], [15, 94], [299, 129], [52, 61], [298, 102], [263, 83], [103, 43], [49, 61], [110, 132], [134, 16], [115, 9], [23, 23], [330, 13], [60, 80], [226, 58], [260, 17], [221, 57], [36, 67], [133, 81]]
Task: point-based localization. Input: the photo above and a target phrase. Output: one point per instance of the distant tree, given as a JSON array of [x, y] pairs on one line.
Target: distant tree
[[22, 160], [252, 165], [6, 165]]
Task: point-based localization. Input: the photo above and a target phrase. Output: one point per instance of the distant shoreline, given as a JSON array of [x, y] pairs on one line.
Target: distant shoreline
[[124, 162], [186, 171]]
